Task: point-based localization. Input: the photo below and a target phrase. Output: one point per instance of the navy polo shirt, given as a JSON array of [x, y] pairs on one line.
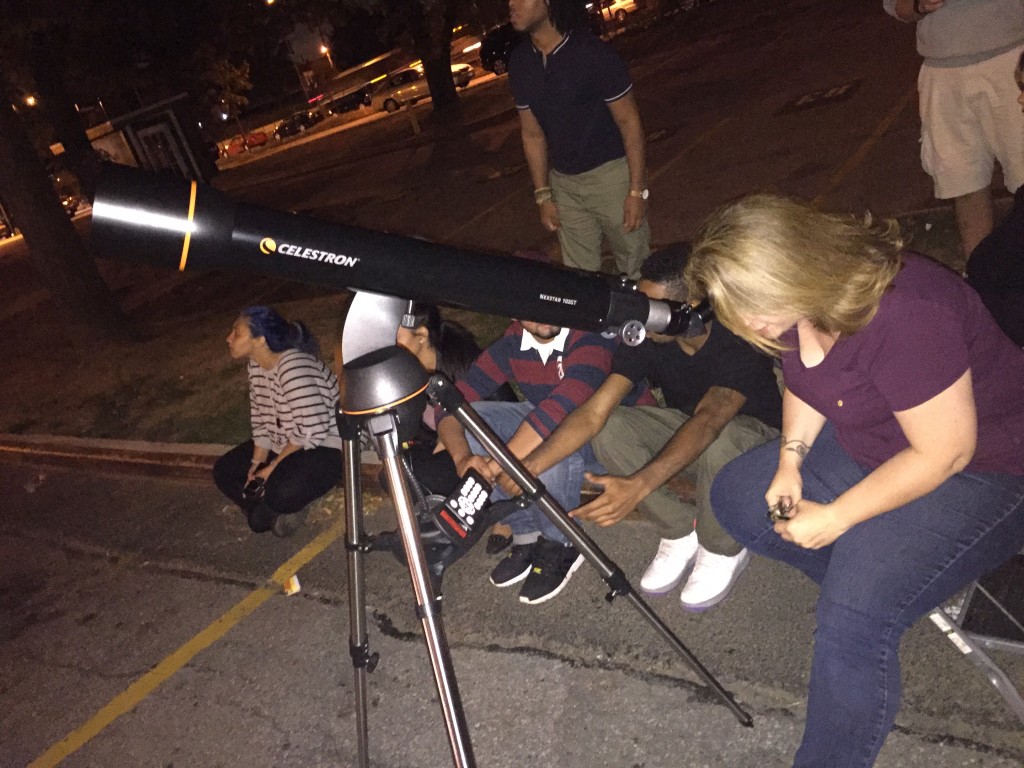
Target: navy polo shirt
[[569, 95]]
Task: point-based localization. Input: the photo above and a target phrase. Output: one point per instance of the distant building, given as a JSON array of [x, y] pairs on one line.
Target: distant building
[[160, 137]]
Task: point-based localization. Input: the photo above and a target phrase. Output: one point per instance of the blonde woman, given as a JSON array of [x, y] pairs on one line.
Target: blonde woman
[[899, 478]]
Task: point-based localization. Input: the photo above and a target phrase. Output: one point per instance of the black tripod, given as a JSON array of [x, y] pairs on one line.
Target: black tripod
[[384, 395]]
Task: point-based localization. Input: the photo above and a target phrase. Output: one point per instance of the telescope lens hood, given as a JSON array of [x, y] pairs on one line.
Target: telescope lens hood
[[161, 219]]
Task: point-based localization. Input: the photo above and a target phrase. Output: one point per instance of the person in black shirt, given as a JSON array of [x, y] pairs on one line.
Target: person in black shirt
[[723, 399], [582, 135], [996, 267]]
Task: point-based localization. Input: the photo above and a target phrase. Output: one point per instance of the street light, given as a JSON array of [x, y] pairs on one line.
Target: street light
[[327, 52]]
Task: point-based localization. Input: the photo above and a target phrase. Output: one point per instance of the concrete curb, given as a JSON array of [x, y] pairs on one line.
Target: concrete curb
[[186, 460], [176, 459]]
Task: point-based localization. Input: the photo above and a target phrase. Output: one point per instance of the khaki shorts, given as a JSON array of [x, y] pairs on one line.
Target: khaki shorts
[[970, 118]]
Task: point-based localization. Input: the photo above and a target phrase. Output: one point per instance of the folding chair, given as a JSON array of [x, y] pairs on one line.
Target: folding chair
[[990, 616]]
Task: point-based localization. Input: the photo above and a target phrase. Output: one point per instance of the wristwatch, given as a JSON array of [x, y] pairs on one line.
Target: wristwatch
[[641, 193]]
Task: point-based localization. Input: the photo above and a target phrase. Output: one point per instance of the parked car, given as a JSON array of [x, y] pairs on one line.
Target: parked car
[[68, 189], [462, 74], [617, 9], [297, 123], [348, 102], [238, 144], [407, 86], [70, 202], [497, 47]]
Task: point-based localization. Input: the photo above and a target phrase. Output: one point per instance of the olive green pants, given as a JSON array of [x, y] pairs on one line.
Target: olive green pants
[[635, 435], [590, 204]]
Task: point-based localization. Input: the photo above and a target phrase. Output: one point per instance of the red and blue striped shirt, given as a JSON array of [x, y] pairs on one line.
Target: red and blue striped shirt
[[556, 387]]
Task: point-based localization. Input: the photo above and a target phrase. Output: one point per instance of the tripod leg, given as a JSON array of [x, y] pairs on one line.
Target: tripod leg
[[453, 402], [356, 546], [383, 429]]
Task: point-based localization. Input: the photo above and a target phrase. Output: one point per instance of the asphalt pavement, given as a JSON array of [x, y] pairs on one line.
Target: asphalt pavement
[[145, 626]]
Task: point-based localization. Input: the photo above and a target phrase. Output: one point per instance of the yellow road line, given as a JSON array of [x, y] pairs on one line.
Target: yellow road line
[[133, 695], [857, 157]]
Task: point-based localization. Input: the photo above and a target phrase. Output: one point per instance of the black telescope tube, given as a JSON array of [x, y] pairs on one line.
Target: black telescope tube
[[180, 224]]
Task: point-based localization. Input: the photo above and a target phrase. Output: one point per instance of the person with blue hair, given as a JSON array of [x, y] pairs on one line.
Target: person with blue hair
[[294, 454]]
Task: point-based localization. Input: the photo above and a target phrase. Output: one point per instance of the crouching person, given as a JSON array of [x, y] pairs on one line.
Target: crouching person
[[900, 476], [294, 455], [722, 399], [556, 369]]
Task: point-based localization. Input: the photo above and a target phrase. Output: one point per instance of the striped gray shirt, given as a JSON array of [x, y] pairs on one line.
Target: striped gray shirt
[[294, 402]]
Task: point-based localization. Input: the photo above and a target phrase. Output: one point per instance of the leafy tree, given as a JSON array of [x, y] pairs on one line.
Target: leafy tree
[[224, 85]]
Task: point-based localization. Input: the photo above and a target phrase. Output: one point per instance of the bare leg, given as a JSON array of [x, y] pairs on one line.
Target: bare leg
[[974, 218]]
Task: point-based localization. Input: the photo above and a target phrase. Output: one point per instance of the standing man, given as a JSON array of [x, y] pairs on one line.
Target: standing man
[[967, 95], [996, 268], [556, 369], [581, 135], [723, 399]]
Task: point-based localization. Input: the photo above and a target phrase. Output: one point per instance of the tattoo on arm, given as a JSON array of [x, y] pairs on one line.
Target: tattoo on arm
[[799, 447]]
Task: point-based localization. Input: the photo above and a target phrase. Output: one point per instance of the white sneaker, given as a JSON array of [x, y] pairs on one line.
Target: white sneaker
[[712, 578], [670, 565]]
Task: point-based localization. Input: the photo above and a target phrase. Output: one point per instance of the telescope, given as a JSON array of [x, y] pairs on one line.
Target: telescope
[[181, 224]]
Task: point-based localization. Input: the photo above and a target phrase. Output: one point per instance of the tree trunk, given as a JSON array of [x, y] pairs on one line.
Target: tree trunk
[[55, 249], [439, 80], [431, 29], [62, 115]]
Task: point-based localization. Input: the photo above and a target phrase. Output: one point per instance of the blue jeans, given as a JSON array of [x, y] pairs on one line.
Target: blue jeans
[[876, 580], [563, 481]]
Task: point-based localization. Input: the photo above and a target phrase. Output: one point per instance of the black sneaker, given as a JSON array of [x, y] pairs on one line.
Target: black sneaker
[[553, 566], [515, 566]]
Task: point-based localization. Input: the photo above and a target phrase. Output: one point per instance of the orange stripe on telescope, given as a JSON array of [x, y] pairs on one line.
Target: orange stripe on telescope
[[188, 230], [382, 408]]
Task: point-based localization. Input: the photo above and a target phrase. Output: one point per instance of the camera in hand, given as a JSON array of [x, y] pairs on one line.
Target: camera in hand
[[253, 490]]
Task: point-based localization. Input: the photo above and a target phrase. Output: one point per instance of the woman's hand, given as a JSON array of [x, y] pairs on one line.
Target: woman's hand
[[254, 469], [812, 525], [786, 487]]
